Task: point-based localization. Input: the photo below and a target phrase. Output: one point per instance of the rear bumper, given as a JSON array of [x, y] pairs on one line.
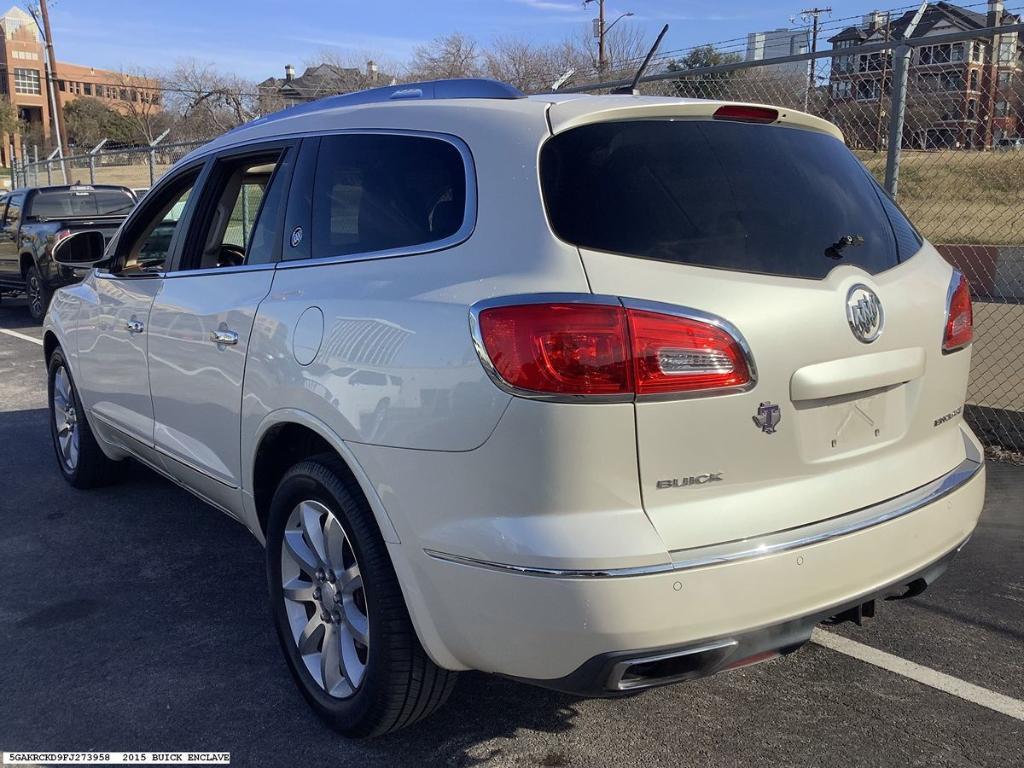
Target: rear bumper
[[570, 629], [621, 672]]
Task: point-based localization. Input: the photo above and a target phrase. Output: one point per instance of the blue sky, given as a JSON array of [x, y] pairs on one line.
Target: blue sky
[[256, 38]]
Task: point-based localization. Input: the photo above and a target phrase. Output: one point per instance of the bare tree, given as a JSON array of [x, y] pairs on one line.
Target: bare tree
[[624, 46], [142, 102], [530, 68], [453, 55], [207, 102]]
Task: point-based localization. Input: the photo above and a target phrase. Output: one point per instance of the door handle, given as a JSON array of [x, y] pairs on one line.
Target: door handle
[[134, 326], [224, 337]]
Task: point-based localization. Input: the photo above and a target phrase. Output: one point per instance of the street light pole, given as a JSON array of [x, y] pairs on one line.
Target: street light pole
[[602, 30]]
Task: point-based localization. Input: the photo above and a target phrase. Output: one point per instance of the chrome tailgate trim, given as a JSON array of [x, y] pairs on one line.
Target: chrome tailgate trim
[[765, 544]]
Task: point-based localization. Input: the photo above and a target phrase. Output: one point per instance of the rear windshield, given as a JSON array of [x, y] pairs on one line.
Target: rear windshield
[[726, 195], [65, 203]]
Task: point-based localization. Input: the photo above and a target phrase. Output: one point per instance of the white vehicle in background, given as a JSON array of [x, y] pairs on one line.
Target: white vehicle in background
[[650, 386]]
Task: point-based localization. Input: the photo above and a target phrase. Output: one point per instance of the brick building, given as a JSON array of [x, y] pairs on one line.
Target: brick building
[[963, 94], [23, 79]]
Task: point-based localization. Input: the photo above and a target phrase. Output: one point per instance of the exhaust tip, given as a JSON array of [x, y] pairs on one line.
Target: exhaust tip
[[673, 667]]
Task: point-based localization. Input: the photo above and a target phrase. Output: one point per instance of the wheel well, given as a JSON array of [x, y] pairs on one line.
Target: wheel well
[[280, 449], [26, 262], [50, 343]]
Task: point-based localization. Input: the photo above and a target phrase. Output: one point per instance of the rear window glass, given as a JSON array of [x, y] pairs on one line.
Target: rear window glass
[[375, 192], [719, 194], [63, 203]]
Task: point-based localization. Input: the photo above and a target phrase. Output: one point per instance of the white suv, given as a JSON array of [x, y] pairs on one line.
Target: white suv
[[595, 392]]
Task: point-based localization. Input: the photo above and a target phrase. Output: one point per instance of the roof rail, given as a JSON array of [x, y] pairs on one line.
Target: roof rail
[[457, 88]]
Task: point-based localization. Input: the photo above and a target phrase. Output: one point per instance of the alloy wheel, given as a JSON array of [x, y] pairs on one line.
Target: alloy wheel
[[34, 293], [65, 419], [324, 599]]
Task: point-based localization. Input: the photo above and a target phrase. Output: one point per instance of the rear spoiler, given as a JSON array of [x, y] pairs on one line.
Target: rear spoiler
[[575, 112]]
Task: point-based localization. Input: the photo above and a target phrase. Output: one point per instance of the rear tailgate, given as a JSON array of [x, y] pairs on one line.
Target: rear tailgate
[[747, 222]]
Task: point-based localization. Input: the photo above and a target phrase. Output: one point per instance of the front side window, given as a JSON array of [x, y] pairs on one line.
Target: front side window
[[725, 195], [377, 192], [149, 240]]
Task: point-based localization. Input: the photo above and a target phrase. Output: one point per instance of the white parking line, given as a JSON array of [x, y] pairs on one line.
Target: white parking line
[[954, 686], [21, 336]]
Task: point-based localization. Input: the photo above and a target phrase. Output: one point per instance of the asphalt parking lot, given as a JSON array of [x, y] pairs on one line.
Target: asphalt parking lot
[[134, 618]]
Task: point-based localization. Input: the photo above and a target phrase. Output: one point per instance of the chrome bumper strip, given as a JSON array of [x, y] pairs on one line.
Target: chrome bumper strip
[[766, 544]]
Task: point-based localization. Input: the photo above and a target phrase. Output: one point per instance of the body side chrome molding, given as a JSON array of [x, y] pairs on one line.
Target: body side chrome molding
[[768, 544]]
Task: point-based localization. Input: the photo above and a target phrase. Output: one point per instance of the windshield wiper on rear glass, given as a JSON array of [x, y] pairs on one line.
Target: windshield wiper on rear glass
[[835, 251]]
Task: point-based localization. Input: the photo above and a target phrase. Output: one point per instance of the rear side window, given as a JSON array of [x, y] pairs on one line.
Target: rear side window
[[377, 192], [726, 195], [62, 203]]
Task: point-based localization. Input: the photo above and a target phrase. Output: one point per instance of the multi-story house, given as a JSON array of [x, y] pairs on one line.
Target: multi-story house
[[316, 82], [23, 80], [964, 94]]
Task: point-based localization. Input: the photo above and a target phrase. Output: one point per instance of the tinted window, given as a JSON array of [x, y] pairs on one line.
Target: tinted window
[[62, 203], [377, 192], [14, 203], [720, 194]]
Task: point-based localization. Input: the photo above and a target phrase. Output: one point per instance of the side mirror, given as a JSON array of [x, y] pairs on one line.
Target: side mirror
[[81, 249]]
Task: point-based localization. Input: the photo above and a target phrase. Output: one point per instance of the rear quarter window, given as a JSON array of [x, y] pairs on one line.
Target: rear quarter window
[[378, 192], [725, 195]]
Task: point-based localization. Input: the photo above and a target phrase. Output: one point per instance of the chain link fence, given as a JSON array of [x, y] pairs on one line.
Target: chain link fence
[[958, 170], [134, 167], [957, 102]]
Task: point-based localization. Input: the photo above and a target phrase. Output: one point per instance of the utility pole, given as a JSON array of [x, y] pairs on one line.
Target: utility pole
[[599, 34], [58, 118], [812, 15]]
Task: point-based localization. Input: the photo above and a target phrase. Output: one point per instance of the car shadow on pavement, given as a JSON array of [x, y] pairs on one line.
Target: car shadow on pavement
[[149, 630], [14, 314]]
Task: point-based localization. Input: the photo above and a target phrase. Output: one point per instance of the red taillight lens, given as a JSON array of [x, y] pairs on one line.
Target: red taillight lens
[[959, 315], [674, 354], [744, 113], [572, 349], [607, 349]]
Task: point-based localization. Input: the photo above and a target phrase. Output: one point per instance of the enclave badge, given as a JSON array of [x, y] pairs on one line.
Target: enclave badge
[[768, 417]]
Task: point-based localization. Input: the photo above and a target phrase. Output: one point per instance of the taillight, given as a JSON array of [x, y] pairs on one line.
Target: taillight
[[675, 354], [959, 314], [573, 349], [745, 113], [583, 349]]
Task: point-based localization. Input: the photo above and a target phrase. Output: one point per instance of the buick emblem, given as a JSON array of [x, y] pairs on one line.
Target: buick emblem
[[864, 313]]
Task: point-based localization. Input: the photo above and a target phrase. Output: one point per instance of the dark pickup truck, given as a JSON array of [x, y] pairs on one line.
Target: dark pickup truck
[[35, 219]]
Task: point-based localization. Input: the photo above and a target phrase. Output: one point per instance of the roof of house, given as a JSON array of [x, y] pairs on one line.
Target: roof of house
[[316, 81], [935, 14]]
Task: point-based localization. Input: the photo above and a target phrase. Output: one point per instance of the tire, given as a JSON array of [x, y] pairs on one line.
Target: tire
[[38, 294], [378, 686], [80, 459]]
